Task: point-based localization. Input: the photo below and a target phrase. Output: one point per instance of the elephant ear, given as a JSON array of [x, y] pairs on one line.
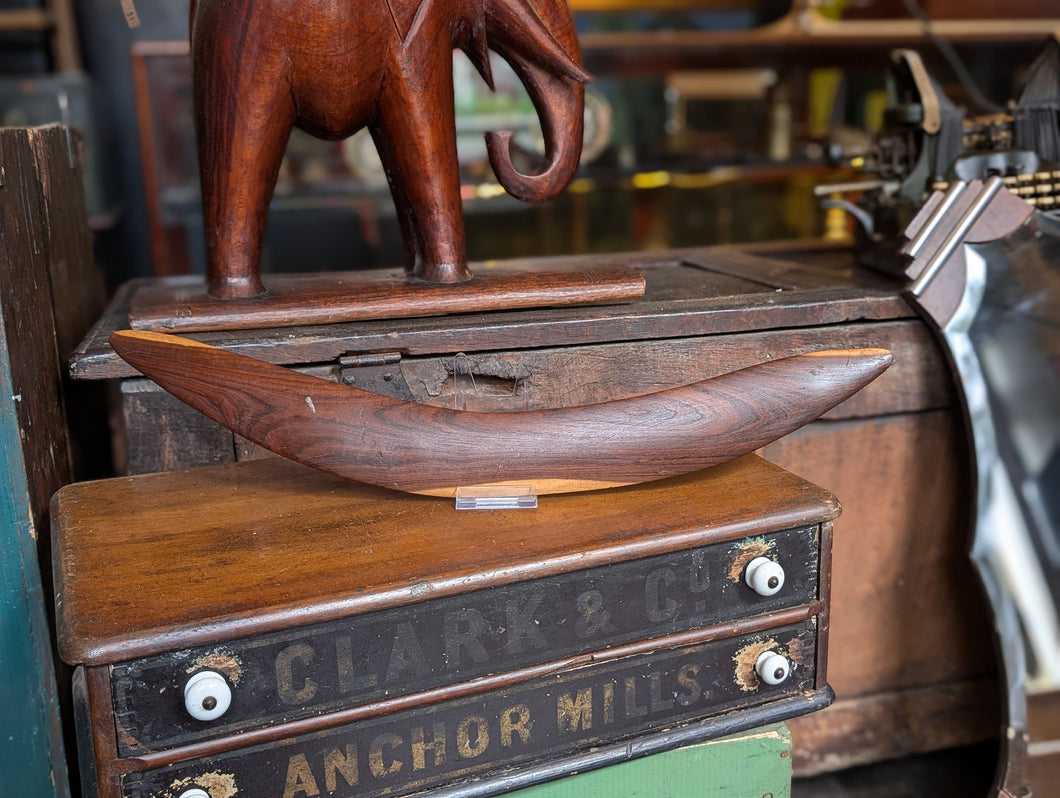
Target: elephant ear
[[476, 47]]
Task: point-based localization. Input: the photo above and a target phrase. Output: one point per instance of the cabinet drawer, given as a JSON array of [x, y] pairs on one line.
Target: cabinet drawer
[[513, 629], [572, 720]]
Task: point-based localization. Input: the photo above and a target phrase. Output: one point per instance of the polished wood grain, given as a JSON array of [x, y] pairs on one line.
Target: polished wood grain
[[407, 446], [358, 296], [333, 68], [212, 554]]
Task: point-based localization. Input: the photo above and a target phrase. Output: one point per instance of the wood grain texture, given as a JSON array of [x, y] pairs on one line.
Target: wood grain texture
[[211, 554], [568, 376], [164, 434], [44, 252], [358, 296], [332, 69], [682, 299], [907, 607], [893, 724], [408, 446], [911, 655]]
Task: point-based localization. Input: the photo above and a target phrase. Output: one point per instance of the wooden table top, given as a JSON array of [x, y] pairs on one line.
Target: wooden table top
[[164, 561]]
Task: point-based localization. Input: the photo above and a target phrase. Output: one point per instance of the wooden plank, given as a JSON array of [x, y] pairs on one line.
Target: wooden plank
[[30, 157], [161, 433], [309, 547], [24, 19], [327, 298], [1043, 725], [751, 763], [907, 608], [36, 457], [951, 773], [762, 269], [679, 301], [894, 724], [66, 50], [566, 377], [1043, 715]]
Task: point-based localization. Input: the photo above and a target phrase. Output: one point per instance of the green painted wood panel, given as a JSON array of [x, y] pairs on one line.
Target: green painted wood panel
[[751, 764], [31, 755]]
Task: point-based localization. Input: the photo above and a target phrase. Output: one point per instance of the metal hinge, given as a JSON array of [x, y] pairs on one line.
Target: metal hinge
[[353, 361], [379, 372]]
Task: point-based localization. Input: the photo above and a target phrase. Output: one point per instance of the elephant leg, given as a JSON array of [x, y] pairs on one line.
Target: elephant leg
[[415, 132], [409, 234], [244, 118]]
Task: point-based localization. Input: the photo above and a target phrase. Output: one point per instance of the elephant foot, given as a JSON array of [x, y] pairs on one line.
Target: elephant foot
[[236, 287], [441, 272]]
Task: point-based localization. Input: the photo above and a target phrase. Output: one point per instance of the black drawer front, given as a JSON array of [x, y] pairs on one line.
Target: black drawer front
[[380, 655], [519, 726]]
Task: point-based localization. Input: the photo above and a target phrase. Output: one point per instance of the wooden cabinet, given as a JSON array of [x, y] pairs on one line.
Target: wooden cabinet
[[263, 628]]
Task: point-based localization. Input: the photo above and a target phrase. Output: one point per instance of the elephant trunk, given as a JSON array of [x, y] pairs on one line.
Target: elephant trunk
[[543, 51]]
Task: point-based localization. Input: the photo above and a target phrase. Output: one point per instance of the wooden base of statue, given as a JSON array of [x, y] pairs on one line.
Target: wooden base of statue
[[325, 298]]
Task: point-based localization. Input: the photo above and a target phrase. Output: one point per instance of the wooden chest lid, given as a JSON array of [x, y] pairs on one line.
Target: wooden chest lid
[[691, 292], [166, 561]]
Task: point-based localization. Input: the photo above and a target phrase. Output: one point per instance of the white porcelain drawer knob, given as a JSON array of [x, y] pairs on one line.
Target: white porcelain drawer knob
[[764, 576], [772, 668], [207, 696]]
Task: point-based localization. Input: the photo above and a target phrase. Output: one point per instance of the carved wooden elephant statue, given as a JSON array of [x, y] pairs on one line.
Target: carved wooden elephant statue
[[262, 67]]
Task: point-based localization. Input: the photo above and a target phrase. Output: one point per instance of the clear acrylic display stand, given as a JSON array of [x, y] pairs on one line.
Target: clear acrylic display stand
[[496, 497]]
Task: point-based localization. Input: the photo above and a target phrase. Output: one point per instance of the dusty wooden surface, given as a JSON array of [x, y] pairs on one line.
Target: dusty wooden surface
[[355, 548], [327, 298], [888, 725], [907, 609], [685, 295]]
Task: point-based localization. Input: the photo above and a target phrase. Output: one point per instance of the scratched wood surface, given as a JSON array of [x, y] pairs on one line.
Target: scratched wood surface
[[310, 547], [683, 297], [487, 743], [446, 647], [907, 610], [330, 297]]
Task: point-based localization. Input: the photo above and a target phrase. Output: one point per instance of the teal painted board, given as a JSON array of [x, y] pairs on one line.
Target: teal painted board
[[30, 753], [751, 764]]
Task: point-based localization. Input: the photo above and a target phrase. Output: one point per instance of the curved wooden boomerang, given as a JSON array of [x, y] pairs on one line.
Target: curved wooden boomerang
[[424, 449]]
